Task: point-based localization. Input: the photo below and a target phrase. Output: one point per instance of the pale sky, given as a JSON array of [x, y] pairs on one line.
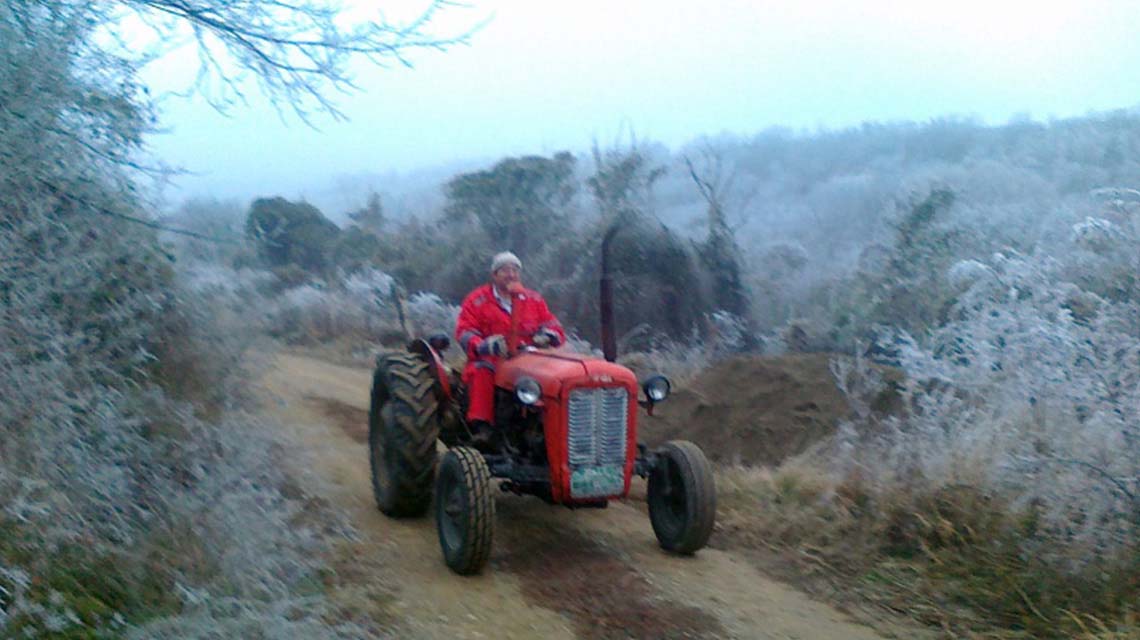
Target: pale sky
[[544, 76]]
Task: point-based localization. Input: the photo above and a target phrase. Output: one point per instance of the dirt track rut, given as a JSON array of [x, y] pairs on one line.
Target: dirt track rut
[[554, 573]]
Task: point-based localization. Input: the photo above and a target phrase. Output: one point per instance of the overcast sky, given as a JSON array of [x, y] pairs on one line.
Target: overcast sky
[[543, 76]]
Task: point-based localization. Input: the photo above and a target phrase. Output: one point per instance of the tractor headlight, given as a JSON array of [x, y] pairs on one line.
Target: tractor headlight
[[528, 391], [656, 388]]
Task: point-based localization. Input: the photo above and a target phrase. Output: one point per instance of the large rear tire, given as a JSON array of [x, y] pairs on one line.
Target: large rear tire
[[682, 497], [465, 510], [403, 425]]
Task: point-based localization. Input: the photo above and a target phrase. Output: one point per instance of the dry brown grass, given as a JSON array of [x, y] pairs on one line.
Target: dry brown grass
[[952, 558]]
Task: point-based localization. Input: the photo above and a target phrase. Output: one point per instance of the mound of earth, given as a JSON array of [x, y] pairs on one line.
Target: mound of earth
[[752, 410]]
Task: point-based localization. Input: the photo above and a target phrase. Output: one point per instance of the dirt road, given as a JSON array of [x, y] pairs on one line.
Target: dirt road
[[554, 573]]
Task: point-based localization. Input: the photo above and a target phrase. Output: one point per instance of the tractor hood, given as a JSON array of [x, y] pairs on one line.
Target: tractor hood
[[553, 369]]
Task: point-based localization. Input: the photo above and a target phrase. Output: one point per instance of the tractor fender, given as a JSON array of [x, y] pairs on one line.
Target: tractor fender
[[424, 350]]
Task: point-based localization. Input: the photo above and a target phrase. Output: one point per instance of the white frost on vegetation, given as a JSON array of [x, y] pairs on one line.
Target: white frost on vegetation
[[1095, 234], [964, 273], [1029, 390]]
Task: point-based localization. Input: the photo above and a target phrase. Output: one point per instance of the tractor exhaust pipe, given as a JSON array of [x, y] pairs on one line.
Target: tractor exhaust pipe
[[609, 340]]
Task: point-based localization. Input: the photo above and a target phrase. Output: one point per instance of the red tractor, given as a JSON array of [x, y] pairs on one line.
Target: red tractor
[[566, 432]]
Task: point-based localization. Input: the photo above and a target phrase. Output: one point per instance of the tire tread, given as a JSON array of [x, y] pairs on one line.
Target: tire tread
[[700, 503], [479, 528], [404, 382]]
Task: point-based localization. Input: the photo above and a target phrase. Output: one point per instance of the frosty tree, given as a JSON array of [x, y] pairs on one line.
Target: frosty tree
[[119, 456]]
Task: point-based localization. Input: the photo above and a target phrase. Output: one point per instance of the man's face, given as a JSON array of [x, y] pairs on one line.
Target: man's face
[[504, 276]]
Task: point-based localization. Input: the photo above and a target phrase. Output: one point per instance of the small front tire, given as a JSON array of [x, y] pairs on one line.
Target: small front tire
[[682, 497], [464, 510]]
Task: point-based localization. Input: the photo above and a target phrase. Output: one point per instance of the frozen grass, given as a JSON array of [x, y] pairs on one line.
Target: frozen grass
[[952, 558]]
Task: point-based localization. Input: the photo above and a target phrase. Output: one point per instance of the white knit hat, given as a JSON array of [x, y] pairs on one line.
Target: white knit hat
[[505, 258]]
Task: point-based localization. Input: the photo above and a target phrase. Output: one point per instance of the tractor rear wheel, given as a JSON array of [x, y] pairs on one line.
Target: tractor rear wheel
[[682, 497], [464, 510], [403, 425]]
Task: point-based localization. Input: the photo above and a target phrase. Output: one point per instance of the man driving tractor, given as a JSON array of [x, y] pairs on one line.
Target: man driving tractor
[[482, 330]]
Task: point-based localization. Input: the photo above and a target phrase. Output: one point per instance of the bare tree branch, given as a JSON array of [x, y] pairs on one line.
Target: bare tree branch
[[70, 196], [296, 51], [708, 192], [717, 185]]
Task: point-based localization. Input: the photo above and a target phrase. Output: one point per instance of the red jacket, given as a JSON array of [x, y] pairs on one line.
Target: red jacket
[[481, 316]]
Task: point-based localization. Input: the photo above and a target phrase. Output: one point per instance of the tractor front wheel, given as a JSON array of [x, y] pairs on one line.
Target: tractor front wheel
[[682, 497], [464, 510]]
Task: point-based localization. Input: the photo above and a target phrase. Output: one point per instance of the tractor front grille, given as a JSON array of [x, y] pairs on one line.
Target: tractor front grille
[[597, 426]]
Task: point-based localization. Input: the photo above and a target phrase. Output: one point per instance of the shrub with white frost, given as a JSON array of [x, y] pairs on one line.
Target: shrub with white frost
[[136, 499], [1029, 390], [1095, 234], [964, 273], [366, 306], [429, 314]]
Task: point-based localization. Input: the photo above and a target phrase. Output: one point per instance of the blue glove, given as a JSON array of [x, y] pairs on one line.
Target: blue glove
[[546, 338], [495, 345]]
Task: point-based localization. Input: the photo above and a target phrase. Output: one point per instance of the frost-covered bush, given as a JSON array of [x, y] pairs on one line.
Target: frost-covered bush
[[727, 333], [369, 282], [123, 507], [318, 311], [1107, 259], [1095, 234], [110, 484], [133, 492], [964, 273], [429, 314], [211, 278], [1028, 391], [907, 283], [367, 305], [1004, 447]]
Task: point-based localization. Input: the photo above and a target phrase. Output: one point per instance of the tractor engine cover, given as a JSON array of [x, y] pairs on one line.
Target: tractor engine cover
[[589, 415]]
